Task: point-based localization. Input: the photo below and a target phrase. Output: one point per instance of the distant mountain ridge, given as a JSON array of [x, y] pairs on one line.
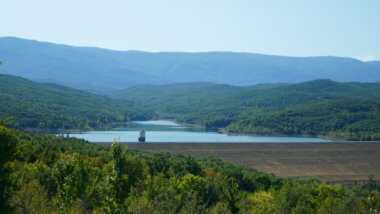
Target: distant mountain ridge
[[99, 70]]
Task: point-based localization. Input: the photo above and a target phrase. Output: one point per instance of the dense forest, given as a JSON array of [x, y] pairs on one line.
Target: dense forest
[[238, 108], [49, 106], [47, 174], [173, 99], [353, 119]]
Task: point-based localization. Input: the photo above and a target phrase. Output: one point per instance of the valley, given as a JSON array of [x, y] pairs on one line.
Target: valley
[[348, 111], [190, 107]]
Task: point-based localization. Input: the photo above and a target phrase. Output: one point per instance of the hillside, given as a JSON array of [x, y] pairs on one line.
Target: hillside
[[352, 119], [179, 98], [101, 70], [49, 106], [237, 108], [205, 99]]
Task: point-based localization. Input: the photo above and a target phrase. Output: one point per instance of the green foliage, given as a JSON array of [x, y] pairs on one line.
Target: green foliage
[[173, 99], [169, 165], [50, 174], [7, 143], [28, 195], [48, 106], [352, 119], [230, 194], [72, 179], [293, 109], [260, 202], [370, 204]]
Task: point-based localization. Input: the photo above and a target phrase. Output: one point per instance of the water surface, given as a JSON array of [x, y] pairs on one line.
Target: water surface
[[168, 131]]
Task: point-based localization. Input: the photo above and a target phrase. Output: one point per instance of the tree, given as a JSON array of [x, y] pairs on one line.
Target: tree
[[262, 202], [230, 193], [118, 181], [72, 179], [7, 144], [196, 185], [371, 203]]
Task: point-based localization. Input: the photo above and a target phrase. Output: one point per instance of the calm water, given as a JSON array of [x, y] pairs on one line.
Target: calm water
[[167, 131]]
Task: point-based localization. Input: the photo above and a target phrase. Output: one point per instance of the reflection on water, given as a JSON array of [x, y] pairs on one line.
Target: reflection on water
[[168, 131], [157, 125]]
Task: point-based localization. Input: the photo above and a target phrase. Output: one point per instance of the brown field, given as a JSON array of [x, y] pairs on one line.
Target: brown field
[[338, 162]]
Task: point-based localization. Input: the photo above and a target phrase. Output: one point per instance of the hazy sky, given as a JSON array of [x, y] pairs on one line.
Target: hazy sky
[[283, 27]]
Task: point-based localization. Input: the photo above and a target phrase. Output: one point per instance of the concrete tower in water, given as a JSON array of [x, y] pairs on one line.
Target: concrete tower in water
[[142, 136]]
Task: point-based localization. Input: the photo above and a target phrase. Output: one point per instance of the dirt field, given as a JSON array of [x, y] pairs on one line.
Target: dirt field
[[332, 162]]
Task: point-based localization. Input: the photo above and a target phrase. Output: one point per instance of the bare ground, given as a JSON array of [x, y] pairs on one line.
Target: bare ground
[[337, 162]]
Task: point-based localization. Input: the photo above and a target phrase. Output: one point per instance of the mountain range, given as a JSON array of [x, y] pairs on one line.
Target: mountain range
[[101, 70]]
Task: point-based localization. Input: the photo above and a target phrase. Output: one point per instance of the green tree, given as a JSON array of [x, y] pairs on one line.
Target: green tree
[[72, 179], [28, 193], [261, 202], [119, 184], [7, 143], [195, 186], [371, 203], [230, 193]]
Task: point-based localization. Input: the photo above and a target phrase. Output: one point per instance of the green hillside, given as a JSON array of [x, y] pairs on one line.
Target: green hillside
[[221, 105], [181, 98], [170, 100], [350, 89], [49, 106], [352, 119], [222, 111]]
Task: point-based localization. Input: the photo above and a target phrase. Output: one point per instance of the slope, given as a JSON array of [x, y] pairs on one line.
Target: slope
[[39, 105], [352, 119], [218, 105], [178, 98]]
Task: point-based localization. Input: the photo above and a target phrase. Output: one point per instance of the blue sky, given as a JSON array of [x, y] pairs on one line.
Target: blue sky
[[293, 27]]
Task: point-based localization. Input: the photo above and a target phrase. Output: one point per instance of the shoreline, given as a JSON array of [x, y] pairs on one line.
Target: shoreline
[[223, 130], [218, 130]]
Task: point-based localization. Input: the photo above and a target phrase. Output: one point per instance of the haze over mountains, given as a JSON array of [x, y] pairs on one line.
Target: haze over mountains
[[100, 70]]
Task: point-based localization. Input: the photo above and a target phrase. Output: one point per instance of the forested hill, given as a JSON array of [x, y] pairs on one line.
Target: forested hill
[[172, 99], [176, 99], [95, 69], [166, 93], [49, 106], [241, 106], [353, 119], [351, 89]]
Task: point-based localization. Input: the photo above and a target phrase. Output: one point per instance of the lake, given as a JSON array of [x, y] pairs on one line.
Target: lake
[[168, 131]]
